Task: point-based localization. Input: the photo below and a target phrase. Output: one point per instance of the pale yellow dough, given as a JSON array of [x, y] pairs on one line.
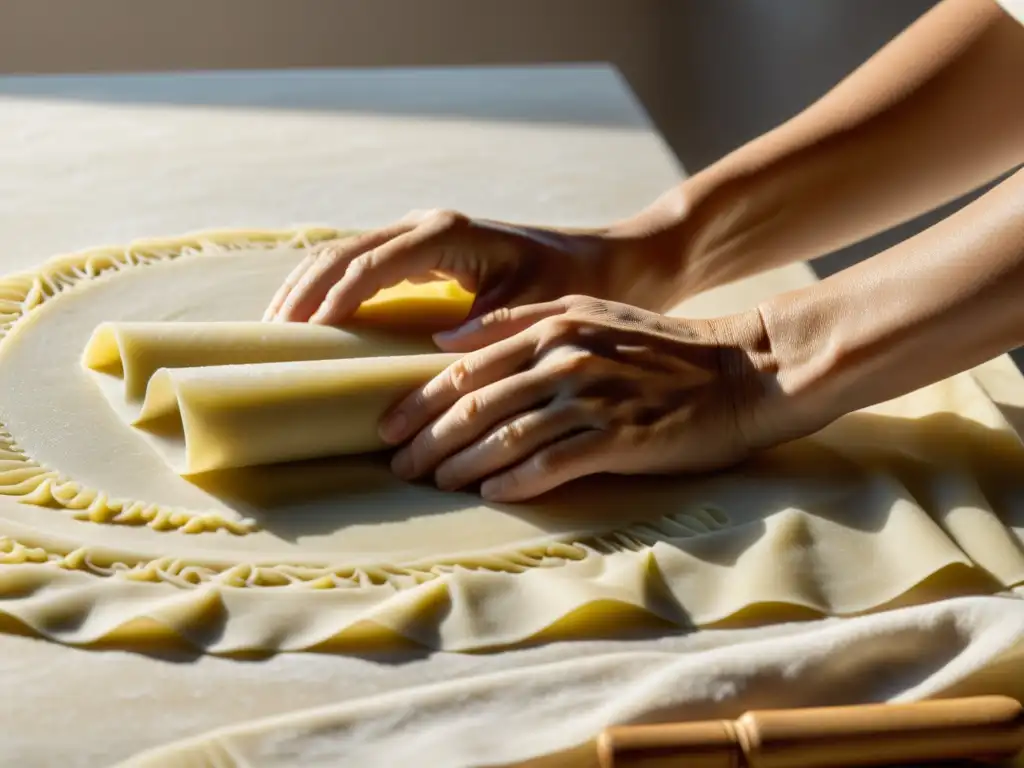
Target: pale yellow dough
[[135, 351], [223, 417], [219, 396], [101, 538]]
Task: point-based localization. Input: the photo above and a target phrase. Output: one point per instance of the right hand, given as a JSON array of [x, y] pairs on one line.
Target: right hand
[[550, 392], [505, 265]]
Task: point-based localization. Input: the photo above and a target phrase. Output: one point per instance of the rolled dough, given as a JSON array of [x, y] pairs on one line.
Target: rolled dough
[[216, 396], [132, 352], [224, 417], [110, 543]]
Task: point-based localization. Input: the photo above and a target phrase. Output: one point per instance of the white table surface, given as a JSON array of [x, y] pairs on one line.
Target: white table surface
[[90, 160], [98, 160]]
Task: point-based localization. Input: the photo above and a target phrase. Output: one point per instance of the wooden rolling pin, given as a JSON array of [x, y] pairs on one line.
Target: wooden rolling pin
[[980, 728]]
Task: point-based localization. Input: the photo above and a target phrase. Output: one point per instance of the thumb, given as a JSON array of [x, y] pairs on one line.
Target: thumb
[[496, 325]]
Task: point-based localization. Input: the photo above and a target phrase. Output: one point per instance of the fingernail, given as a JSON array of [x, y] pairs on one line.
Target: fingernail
[[443, 336], [393, 429], [491, 489], [402, 465], [446, 481], [460, 330]]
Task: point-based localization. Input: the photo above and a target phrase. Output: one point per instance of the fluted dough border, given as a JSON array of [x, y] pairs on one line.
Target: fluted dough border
[[33, 483], [87, 595], [20, 294]]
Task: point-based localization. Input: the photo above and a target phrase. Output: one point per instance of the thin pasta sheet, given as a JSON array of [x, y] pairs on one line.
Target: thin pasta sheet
[[216, 396], [173, 469]]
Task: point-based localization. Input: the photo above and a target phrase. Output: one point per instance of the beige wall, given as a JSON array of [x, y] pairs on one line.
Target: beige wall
[[712, 73], [66, 35], [39, 36]]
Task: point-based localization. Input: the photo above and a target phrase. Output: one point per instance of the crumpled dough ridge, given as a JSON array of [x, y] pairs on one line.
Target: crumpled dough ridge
[[685, 570]]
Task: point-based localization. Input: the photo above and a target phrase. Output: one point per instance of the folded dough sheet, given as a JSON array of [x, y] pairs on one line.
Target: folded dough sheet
[[213, 396]]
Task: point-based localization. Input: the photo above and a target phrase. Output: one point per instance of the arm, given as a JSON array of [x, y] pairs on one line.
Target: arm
[[546, 393], [933, 115], [937, 304], [936, 113]]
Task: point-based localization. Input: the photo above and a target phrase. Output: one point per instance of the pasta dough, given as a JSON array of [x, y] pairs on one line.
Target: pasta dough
[[133, 352], [911, 500], [220, 417], [217, 396]]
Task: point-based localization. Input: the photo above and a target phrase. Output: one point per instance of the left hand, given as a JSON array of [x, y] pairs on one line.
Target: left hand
[[551, 392]]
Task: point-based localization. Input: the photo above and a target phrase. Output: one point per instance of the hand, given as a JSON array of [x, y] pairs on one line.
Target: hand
[[577, 386], [503, 264]]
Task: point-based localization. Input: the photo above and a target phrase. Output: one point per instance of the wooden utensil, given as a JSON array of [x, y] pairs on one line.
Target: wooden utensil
[[979, 728]]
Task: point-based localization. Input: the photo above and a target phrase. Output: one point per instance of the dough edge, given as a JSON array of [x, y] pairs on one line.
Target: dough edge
[[54, 589]]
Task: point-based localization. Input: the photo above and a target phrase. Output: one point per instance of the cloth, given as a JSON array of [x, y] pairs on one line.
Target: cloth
[[554, 697]]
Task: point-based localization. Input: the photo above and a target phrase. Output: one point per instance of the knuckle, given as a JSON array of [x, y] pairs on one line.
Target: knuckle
[[363, 264], [447, 219], [546, 462], [469, 408], [575, 300], [460, 375], [554, 330], [510, 434], [572, 410], [573, 366], [584, 304], [326, 249], [631, 437], [498, 316]]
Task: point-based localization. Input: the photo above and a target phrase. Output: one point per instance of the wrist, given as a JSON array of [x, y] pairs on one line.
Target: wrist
[[781, 369], [829, 353], [647, 252], [750, 372], [717, 227]]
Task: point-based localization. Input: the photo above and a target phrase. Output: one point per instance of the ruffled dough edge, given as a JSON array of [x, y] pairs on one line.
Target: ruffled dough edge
[[30, 482], [22, 293], [89, 596]]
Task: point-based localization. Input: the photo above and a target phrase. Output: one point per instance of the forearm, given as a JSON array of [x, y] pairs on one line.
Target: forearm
[[937, 304], [934, 114]]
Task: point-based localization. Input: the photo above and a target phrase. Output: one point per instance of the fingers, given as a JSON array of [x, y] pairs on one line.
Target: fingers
[[509, 444], [497, 325], [586, 453], [289, 284], [462, 377], [309, 283], [408, 254], [472, 416]]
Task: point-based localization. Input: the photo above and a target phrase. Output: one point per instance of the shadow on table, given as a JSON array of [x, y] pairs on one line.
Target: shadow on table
[[324, 497], [1013, 414], [577, 95]]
